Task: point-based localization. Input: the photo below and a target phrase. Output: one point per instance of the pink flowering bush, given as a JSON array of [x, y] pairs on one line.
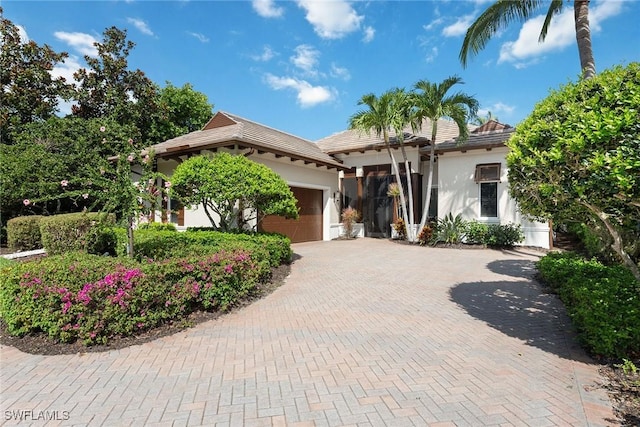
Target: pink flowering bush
[[77, 296]]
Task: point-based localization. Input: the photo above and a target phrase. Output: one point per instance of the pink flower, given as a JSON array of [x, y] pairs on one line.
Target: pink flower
[[167, 184], [228, 268], [104, 140], [102, 128], [146, 159], [85, 196], [130, 141], [26, 202], [130, 158], [64, 182]]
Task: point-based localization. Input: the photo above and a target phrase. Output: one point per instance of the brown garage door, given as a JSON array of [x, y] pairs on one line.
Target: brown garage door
[[308, 227]]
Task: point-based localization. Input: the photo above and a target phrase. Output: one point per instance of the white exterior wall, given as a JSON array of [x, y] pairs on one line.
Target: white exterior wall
[[296, 174], [458, 193]]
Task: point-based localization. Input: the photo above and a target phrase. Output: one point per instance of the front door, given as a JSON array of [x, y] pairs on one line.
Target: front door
[[377, 208]]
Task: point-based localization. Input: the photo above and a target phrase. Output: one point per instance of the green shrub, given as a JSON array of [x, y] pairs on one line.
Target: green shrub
[[157, 226], [159, 245], [504, 235], [23, 233], [77, 296], [603, 302], [476, 233], [76, 232], [5, 262], [450, 230]]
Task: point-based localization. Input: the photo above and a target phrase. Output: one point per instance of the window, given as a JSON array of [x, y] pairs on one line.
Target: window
[[488, 172], [489, 199]]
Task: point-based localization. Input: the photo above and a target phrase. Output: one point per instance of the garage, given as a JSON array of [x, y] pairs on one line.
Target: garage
[[308, 227]]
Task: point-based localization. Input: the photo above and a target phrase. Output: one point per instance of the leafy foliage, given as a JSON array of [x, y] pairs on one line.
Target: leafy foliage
[[73, 232], [234, 188], [450, 230], [400, 227], [603, 302], [89, 298], [181, 110], [24, 233], [29, 91], [107, 88], [157, 245], [578, 155]]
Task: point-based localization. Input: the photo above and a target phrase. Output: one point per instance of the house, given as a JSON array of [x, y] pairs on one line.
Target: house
[[353, 169]]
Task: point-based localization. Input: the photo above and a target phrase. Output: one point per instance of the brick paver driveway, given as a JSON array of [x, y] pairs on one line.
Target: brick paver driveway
[[364, 332]]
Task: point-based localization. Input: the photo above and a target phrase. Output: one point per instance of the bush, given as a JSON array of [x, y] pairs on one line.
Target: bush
[[400, 228], [476, 233], [603, 302], [504, 235], [426, 234], [159, 245], [77, 296], [157, 226], [81, 231], [23, 233], [449, 230]]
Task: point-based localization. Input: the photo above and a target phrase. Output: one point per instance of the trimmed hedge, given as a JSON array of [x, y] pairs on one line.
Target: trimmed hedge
[[603, 302], [159, 245], [23, 233], [77, 296], [82, 231], [157, 226]]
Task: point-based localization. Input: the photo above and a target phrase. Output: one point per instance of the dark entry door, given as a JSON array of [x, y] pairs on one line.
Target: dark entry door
[[377, 208]]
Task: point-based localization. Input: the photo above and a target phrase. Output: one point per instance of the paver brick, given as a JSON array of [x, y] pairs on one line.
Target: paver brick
[[363, 332]]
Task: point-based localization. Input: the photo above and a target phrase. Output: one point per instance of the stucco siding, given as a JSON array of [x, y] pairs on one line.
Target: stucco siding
[[458, 193]]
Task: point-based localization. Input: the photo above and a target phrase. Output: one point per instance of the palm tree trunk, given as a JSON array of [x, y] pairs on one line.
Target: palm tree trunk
[[411, 235], [583, 37], [396, 172], [427, 203]]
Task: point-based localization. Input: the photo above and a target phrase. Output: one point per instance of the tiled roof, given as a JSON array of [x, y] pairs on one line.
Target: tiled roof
[[476, 141], [353, 140], [226, 129]]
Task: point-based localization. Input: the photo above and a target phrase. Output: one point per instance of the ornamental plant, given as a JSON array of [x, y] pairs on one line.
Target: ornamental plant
[[577, 156], [349, 217], [108, 185]]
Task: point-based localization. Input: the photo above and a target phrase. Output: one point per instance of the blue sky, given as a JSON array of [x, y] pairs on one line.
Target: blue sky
[[301, 66]]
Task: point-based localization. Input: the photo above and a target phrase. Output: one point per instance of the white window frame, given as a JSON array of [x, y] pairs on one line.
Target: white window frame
[[480, 181]]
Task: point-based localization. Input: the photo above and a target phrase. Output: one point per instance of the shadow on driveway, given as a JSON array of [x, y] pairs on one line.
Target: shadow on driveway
[[520, 309], [520, 268]]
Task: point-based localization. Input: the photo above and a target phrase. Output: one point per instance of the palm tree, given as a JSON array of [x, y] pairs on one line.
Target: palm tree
[[433, 103], [503, 12], [401, 118], [480, 120], [382, 116]]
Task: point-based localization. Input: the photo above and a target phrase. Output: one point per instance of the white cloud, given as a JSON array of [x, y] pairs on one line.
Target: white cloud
[[561, 34], [306, 58], [67, 68], [340, 72], [369, 34], [81, 42], [307, 95], [266, 55], [431, 25], [199, 36], [24, 38], [142, 26], [496, 109], [459, 27], [432, 55], [331, 19], [267, 8]]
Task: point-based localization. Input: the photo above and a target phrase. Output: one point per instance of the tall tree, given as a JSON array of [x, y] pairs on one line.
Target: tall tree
[[381, 115], [181, 110], [432, 102], [503, 12], [29, 92], [108, 88]]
